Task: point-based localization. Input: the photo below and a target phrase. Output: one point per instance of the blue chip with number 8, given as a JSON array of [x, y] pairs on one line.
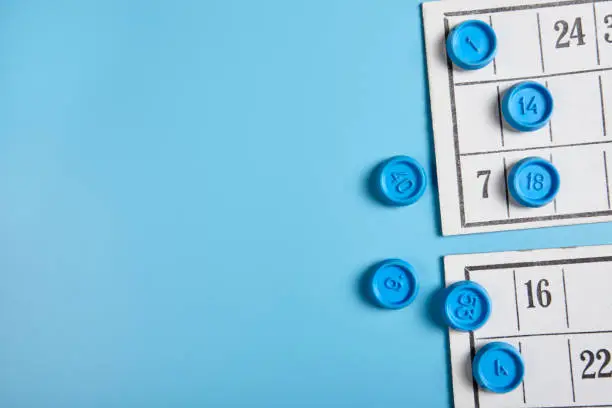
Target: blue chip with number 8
[[533, 182], [394, 284], [527, 106], [466, 306], [498, 367], [401, 180]]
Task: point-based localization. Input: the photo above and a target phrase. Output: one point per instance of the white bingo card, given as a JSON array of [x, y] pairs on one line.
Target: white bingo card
[[564, 45], [555, 307]]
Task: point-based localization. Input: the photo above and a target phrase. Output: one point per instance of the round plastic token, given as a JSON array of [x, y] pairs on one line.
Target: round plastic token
[[472, 44], [533, 182], [466, 306], [527, 106], [498, 367], [401, 180], [394, 284]]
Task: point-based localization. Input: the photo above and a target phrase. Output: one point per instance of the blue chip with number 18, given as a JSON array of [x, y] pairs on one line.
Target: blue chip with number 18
[[533, 182]]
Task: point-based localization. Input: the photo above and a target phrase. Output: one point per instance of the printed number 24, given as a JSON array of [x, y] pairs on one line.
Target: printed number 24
[[575, 33]]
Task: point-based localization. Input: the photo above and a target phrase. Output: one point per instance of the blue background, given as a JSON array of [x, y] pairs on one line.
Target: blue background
[[184, 219]]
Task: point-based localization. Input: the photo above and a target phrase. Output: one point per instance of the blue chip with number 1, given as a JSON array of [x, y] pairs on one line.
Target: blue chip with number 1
[[472, 44], [401, 180], [533, 182], [527, 106], [466, 306], [498, 367]]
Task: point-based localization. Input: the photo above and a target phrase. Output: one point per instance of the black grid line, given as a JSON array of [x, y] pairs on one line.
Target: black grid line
[[605, 158], [603, 107], [596, 34], [540, 41], [569, 349], [522, 382], [518, 8], [565, 299], [518, 318], [534, 77], [524, 149]]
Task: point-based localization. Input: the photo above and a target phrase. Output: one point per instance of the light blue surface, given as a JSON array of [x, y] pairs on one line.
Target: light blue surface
[[401, 180], [498, 367], [472, 45], [534, 182], [527, 106], [466, 306], [183, 209], [394, 284]]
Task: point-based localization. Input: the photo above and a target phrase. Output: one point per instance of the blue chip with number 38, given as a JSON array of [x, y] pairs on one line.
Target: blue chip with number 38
[[401, 180], [533, 182], [527, 106], [498, 367], [466, 306]]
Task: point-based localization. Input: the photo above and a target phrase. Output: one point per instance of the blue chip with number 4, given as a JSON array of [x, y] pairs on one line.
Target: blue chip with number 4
[[401, 180], [472, 44], [466, 306], [533, 182], [498, 367], [394, 284], [527, 106]]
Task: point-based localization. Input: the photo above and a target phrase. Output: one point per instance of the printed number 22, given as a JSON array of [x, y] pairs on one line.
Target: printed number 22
[[589, 357], [576, 33], [608, 23]]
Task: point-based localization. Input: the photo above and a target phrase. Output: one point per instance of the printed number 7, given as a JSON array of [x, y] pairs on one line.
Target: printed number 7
[[485, 185]]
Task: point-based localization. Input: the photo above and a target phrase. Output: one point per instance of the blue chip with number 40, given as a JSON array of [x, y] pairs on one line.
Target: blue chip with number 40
[[466, 306], [527, 106], [401, 180], [533, 182], [498, 367]]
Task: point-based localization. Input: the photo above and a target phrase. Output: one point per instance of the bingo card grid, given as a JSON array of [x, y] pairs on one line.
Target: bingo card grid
[[557, 44], [554, 306]]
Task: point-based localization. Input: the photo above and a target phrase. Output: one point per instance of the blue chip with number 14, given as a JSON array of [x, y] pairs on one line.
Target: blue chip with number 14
[[527, 106], [401, 180]]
